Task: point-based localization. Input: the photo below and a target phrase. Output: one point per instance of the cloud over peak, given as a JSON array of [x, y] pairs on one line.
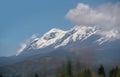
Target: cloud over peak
[[105, 16]]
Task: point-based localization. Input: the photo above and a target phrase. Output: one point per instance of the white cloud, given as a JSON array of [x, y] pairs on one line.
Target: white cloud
[[34, 36], [23, 46], [26, 43], [106, 16]]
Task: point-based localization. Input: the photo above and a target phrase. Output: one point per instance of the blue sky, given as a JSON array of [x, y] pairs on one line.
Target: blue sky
[[19, 19]]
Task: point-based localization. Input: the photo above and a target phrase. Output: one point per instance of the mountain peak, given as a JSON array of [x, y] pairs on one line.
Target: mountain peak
[[55, 30], [53, 33]]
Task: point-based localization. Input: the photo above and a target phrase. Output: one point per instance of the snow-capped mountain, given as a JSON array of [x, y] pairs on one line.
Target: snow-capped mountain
[[57, 38], [90, 45]]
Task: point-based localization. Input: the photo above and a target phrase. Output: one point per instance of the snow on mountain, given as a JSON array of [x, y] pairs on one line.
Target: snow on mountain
[[108, 36], [56, 38], [77, 33], [50, 38]]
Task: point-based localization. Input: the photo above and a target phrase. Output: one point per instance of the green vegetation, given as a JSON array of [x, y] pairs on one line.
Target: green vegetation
[[69, 70], [36, 75], [101, 71], [1, 75], [115, 72]]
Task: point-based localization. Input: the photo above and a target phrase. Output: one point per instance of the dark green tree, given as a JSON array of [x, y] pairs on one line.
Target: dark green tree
[[1, 75], [115, 72], [78, 68], [101, 71], [112, 73], [36, 75], [87, 73], [69, 68]]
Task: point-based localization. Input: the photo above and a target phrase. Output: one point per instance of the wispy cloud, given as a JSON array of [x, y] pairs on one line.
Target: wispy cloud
[[105, 16], [23, 46], [34, 36], [26, 43]]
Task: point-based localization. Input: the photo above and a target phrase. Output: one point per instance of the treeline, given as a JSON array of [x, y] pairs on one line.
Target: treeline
[[77, 71], [69, 69]]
